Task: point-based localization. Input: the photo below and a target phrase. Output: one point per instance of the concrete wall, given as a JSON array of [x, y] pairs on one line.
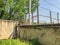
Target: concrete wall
[[45, 35], [7, 28]]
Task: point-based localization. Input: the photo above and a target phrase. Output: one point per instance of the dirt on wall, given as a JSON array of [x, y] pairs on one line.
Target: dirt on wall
[[46, 36]]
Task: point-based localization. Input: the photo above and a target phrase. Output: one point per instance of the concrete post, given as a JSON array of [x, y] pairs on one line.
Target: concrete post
[[30, 12]]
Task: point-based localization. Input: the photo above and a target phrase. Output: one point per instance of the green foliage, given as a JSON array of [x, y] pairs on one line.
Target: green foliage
[[35, 42], [14, 42], [6, 17], [16, 9]]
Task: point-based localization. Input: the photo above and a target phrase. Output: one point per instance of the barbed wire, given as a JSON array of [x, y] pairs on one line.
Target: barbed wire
[[52, 4], [45, 16], [48, 10]]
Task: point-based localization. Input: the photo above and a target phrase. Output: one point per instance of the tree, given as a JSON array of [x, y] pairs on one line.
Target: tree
[[1, 8], [16, 9]]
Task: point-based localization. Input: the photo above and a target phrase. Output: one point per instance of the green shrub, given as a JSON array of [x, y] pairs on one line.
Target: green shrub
[[14, 42]]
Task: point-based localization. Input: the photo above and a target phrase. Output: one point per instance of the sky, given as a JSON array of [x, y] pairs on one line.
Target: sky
[[46, 6]]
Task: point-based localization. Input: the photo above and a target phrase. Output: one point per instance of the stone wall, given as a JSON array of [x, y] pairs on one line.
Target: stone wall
[[45, 35]]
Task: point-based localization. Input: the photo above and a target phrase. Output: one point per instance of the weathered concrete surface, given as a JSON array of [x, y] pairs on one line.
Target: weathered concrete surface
[[46, 35], [7, 28]]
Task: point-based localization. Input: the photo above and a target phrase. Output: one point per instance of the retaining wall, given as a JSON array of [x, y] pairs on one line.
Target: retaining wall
[[7, 27]]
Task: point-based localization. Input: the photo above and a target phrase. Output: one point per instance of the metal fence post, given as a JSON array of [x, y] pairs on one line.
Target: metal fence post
[[50, 18], [32, 18], [57, 17]]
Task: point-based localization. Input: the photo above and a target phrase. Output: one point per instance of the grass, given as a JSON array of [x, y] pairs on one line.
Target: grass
[[14, 42]]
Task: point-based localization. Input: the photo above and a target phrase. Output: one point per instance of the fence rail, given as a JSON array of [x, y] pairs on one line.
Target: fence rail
[[50, 16]]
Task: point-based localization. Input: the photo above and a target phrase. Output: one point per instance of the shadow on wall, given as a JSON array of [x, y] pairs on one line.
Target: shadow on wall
[[14, 33], [35, 41]]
